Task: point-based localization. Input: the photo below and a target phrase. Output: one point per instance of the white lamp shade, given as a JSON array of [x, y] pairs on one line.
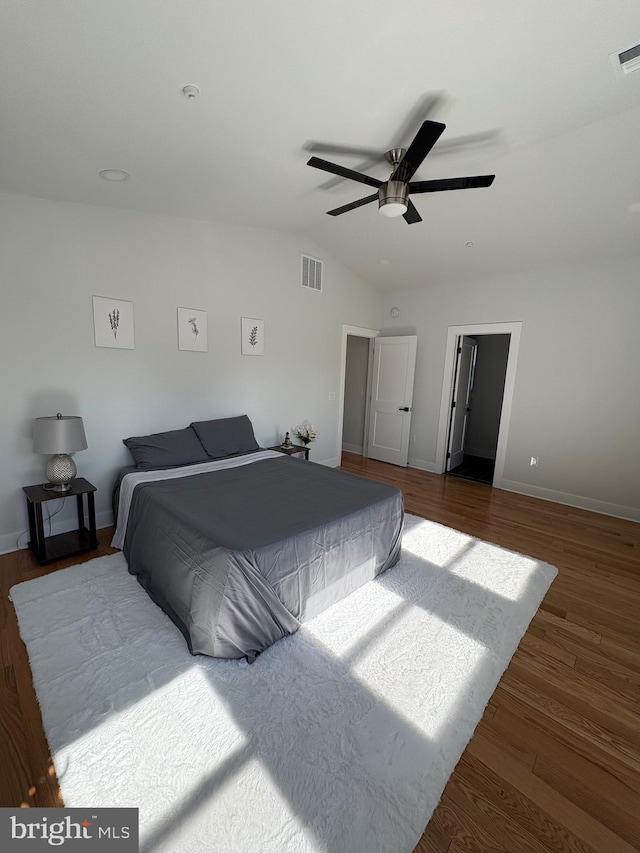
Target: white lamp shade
[[59, 434], [393, 198], [393, 208]]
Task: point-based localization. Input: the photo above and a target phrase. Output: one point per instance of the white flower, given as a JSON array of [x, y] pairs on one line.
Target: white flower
[[306, 431]]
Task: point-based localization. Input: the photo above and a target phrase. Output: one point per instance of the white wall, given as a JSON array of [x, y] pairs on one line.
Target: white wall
[[576, 403], [355, 393], [55, 256]]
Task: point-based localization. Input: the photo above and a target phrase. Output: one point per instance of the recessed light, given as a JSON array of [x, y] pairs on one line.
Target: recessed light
[[384, 262], [469, 244], [117, 175]]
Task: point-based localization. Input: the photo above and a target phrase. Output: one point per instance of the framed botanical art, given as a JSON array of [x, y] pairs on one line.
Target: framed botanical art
[[252, 336], [113, 323], [192, 330]]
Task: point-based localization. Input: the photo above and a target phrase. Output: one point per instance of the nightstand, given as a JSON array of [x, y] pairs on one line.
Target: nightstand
[[293, 448], [48, 548]]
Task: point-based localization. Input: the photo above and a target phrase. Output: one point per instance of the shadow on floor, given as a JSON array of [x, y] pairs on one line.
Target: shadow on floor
[[475, 468]]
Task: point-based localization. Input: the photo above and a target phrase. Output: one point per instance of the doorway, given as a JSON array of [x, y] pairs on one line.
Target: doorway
[[477, 406], [374, 416], [355, 395], [478, 332], [362, 337]]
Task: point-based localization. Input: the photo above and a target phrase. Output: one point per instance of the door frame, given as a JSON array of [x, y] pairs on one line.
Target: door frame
[[358, 332], [514, 329]]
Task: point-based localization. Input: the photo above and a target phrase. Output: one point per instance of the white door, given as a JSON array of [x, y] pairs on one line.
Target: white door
[[460, 408], [394, 364]]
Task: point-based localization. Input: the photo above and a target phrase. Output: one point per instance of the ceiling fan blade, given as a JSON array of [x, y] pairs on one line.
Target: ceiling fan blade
[[423, 142], [352, 205], [471, 140], [326, 166], [426, 104], [412, 215], [360, 167], [451, 184], [372, 155], [350, 150], [408, 129]]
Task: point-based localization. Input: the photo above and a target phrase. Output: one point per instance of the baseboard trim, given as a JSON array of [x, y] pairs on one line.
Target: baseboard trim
[[353, 448], [8, 541], [422, 465], [330, 463], [628, 513]]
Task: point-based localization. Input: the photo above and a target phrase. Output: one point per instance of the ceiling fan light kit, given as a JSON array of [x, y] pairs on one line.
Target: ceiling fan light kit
[[393, 199], [393, 195]]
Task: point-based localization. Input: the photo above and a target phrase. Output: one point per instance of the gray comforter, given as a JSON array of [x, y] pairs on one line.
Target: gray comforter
[[240, 557]]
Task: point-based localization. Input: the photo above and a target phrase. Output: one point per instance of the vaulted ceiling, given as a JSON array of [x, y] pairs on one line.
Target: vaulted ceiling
[[527, 88]]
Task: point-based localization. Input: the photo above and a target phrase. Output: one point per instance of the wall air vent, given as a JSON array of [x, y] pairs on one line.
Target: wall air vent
[[626, 61], [311, 273]]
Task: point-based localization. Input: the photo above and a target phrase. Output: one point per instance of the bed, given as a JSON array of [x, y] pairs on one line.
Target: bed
[[240, 545]]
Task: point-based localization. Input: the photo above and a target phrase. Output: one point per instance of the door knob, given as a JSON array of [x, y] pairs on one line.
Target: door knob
[[404, 409]]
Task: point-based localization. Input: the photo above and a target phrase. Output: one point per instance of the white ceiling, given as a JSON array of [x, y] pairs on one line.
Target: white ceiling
[[86, 86]]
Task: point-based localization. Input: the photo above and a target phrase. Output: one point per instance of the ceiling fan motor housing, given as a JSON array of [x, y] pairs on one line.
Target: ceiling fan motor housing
[[393, 198]]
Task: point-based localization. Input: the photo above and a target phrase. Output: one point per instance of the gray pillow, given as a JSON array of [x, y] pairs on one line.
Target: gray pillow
[[166, 449], [226, 436]]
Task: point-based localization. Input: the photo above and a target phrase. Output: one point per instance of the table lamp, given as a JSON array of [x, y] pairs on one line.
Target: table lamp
[[59, 435]]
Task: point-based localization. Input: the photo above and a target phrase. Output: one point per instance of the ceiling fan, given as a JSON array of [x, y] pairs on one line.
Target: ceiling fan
[[393, 194], [425, 107]]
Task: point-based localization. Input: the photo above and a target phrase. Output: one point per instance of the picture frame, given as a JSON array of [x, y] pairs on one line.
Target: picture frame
[[192, 330], [252, 336], [113, 323]]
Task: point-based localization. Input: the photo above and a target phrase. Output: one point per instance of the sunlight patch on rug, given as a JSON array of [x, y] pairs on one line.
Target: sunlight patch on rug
[[441, 550], [511, 577], [343, 640], [425, 708], [340, 737]]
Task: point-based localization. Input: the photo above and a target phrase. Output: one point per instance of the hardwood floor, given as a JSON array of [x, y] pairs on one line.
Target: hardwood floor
[[554, 764], [27, 776]]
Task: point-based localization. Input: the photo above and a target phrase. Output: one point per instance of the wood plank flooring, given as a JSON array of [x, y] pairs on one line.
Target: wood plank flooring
[[27, 775], [554, 764]]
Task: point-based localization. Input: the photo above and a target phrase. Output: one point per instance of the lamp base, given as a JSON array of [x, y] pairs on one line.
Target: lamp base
[[61, 469]]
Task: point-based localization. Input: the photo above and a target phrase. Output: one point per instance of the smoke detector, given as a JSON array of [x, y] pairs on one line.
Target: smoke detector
[[190, 92]]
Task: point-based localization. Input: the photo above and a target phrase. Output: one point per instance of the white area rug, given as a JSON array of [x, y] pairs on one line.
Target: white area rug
[[339, 738]]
